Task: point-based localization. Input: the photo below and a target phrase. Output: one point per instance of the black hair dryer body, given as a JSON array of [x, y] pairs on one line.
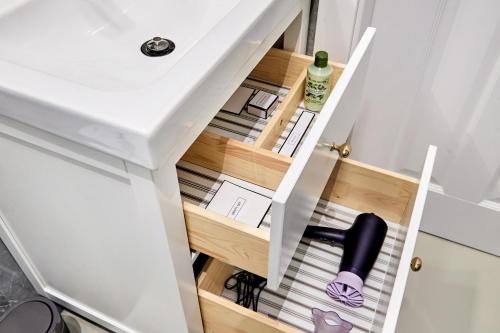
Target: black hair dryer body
[[362, 243]]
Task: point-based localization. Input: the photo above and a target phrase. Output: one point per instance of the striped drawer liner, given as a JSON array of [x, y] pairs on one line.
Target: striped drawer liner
[[314, 264], [246, 127]]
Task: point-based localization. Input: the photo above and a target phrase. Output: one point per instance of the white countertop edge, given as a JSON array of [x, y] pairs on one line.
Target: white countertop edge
[[148, 141]]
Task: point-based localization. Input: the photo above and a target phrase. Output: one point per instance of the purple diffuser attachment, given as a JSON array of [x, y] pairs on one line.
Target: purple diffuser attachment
[[362, 243], [329, 322], [347, 289]]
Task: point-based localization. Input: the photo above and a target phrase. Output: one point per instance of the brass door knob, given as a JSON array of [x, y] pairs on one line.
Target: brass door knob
[[416, 264], [344, 149]]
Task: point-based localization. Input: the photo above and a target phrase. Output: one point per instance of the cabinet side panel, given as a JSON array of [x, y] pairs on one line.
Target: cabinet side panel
[[80, 229]]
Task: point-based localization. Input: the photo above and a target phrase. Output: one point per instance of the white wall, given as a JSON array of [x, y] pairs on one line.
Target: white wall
[[338, 16], [340, 25]]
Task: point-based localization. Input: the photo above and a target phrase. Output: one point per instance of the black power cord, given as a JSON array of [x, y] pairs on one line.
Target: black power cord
[[246, 284]]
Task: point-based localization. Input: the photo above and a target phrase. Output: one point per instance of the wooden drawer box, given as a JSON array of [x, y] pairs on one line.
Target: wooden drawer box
[[355, 185], [297, 183]]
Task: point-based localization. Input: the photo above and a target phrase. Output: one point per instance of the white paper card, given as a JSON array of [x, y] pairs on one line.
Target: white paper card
[[240, 204], [297, 133], [238, 101]]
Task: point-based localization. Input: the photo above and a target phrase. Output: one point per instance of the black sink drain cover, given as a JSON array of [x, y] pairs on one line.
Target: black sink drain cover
[[157, 47]]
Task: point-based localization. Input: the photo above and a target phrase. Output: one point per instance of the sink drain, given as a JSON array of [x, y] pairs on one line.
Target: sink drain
[[157, 47]]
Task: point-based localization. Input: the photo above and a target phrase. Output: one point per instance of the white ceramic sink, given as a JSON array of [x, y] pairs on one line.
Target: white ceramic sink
[[96, 43], [74, 67]]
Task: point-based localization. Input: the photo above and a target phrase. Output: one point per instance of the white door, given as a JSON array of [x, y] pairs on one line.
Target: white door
[[434, 78]]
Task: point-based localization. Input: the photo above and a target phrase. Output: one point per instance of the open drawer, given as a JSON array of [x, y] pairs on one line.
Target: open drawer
[[352, 185], [315, 174], [298, 182]]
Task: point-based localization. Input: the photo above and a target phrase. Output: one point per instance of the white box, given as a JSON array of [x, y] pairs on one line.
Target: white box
[[262, 104], [238, 101], [240, 204], [298, 131]]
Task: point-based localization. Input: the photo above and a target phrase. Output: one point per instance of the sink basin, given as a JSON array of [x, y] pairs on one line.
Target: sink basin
[[74, 67], [96, 43]]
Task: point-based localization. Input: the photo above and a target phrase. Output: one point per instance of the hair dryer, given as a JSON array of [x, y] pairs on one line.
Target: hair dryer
[[362, 243]]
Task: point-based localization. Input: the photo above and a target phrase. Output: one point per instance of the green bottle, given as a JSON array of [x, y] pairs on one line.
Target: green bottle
[[317, 82]]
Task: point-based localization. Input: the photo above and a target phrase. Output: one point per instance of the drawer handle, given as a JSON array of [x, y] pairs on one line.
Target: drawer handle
[[344, 150], [416, 264]]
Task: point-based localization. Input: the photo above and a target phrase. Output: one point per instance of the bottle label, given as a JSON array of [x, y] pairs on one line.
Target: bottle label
[[316, 90]]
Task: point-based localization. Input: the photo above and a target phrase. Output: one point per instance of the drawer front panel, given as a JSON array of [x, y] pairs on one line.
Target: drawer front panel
[[301, 187], [411, 219]]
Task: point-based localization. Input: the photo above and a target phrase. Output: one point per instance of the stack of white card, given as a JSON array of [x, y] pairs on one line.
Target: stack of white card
[[236, 103]]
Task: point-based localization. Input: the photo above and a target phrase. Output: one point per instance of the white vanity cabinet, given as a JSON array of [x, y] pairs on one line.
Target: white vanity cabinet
[[111, 239]]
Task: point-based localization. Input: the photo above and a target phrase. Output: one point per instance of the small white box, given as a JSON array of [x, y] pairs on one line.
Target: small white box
[[262, 104], [238, 101], [298, 131], [240, 204]]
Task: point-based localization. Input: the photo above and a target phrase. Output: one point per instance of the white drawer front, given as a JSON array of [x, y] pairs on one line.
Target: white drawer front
[[300, 190], [414, 218]]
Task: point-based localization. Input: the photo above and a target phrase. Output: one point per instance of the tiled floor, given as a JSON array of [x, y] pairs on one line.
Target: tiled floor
[[14, 286]]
